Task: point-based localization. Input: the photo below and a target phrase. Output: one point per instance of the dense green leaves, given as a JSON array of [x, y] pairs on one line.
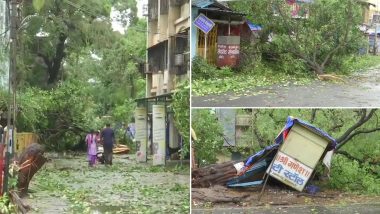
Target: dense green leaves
[[60, 116], [181, 109], [74, 69], [38, 4], [329, 29], [60, 29], [209, 136]]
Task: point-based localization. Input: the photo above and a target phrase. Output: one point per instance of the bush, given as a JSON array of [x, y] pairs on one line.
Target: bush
[[352, 63], [202, 70], [350, 176], [209, 136], [180, 106]]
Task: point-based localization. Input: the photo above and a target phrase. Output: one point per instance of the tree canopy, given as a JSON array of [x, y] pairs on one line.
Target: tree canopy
[[73, 68], [320, 31]]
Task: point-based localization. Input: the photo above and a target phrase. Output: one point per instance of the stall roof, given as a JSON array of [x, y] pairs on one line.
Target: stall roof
[[291, 121], [217, 10], [208, 3], [162, 97]]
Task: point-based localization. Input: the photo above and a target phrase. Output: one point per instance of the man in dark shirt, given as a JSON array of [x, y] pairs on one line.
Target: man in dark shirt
[[108, 138]]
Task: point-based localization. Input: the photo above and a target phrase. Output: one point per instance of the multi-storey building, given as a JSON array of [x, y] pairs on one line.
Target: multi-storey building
[[167, 65]]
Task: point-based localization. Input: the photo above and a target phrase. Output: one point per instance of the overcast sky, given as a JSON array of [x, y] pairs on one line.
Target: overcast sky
[[117, 26]]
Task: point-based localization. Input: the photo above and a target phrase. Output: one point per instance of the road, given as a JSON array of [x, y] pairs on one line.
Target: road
[[68, 185], [340, 209], [359, 90]]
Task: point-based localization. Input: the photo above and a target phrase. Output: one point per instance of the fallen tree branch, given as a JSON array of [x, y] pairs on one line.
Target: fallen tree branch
[[23, 208]]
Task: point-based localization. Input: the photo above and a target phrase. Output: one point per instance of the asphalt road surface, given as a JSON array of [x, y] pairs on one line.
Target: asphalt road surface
[[359, 90], [346, 209]]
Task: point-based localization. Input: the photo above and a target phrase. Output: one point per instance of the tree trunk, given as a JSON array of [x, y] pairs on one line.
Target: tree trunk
[[55, 66], [213, 175], [30, 161]]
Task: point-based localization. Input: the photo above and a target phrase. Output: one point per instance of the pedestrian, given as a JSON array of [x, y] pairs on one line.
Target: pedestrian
[[1, 133], [108, 138], [131, 131], [91, 148], [97, 137]]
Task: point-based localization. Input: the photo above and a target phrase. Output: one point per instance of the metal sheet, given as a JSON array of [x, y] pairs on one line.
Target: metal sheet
[[202, 3]]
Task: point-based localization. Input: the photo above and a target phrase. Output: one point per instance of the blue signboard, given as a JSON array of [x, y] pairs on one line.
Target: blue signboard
[[203, 23]]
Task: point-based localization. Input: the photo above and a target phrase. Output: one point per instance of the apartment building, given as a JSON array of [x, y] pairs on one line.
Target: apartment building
[[167, 65]]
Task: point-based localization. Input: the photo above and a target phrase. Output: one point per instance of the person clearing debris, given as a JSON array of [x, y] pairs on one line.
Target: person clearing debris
[[291, 160]]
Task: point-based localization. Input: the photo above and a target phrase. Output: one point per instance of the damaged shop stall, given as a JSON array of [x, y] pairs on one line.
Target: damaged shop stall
[[291, 160], [221, 45]]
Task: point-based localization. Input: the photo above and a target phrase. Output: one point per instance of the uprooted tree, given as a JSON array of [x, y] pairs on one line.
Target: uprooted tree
[[348, 125], [316, 32], [30, 161]]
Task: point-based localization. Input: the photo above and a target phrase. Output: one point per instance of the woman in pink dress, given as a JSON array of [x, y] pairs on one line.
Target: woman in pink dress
[[91, 148]]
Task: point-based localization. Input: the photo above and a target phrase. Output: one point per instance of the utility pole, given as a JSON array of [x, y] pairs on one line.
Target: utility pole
[[12, 5]]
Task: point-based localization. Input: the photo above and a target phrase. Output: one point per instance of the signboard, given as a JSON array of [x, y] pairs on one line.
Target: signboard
[[159, 135], [290, 171], [228, 51], [376, 19], [141, 134], [203, 23]]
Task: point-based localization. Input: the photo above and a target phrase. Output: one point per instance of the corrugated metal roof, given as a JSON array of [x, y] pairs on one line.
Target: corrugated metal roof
[[217, 10], [202, 3]]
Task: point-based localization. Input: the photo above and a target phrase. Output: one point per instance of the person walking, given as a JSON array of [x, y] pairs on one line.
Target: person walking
[[91, 148], [1, 133], [108, 138]]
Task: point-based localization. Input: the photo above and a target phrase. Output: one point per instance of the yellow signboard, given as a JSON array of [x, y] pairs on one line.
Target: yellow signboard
[[298, 156]]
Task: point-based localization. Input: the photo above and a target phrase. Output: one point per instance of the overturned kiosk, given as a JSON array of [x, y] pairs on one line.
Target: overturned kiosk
[[292, 160]]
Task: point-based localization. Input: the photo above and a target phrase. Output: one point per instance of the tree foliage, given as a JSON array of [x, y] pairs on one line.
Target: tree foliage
[[74, 69], [209, 136], [52, 30], [323, 29], [181, 109]]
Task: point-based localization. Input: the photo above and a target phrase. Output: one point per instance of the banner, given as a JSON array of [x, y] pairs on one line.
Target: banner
[[159, 135], [141, 136]]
